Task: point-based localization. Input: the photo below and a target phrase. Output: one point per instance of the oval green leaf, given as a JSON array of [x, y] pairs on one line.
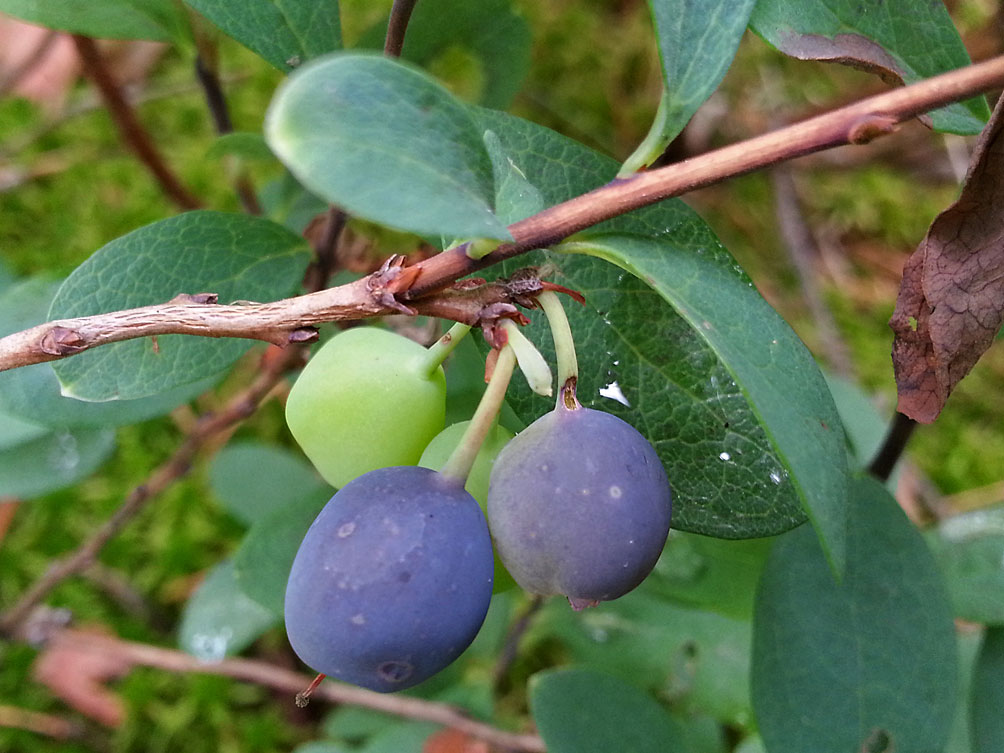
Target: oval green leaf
[[987, 694], [266, 555], [286, 33], [218, 619], [384, 141], [970, 550], [900, 40], [697, 42], [253, 479], [157, 20], [235, 256], [52, 461], [868, 664], [585, 711]]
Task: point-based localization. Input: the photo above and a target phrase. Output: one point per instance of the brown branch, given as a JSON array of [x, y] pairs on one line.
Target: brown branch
[[280, 323], [209, 79], [39, 723], [278, 678], [237, 409], [132, 131], [397, 24], [275, 322], [899, 433], [854, 124]]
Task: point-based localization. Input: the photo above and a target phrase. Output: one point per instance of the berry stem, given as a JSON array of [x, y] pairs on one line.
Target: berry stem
[[531, 362], [564, 348], [436, 353], [458, 465]]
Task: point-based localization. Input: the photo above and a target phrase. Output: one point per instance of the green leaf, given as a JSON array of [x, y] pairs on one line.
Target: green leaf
[[703, 660], [768, 367], [286, 33], [987, 694], [158, 20], [266, 555], [969, 646], [243, 144], [584, 711], [497, 37], [32, 393], [218, 619], [866, 665], [236, 256], [14, 431], [712, 574], [697, 41], [900, 40], [52, 461], [708, 372], [337, 124], [970, 549], [253, 479]]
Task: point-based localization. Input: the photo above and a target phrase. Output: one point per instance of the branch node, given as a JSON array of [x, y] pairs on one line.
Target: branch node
[[303, 335], [870, 127], [62, 341], [199, 298]]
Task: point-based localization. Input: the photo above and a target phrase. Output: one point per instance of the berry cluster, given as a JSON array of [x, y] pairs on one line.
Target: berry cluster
[[393, 580]]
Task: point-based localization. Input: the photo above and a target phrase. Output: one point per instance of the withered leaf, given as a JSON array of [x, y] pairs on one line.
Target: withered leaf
[[951, 299]]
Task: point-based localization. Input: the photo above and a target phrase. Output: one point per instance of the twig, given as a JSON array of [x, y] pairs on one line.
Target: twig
[[802, 250], [39, 723], [513, 637], [857, 123], [209, 80], [280, 322], [892, 447], [397, 24], [236, 410], [325, 259], [132, 131], [278, 678]]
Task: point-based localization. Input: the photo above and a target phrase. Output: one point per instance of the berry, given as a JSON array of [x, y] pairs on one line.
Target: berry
[[367, 399], [392, 581], [579, 505]]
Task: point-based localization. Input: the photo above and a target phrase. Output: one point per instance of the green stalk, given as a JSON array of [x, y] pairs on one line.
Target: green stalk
[[436, 353], [564, 348], [458, 465]]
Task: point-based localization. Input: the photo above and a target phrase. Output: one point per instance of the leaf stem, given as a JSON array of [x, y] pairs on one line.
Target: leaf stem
[[436, 353], [900, 431], [458, 465], [397, 24], [564, 348]]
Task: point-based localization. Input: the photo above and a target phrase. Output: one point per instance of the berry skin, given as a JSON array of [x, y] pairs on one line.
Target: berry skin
[[367, 399], [392, 581], [579, 505]]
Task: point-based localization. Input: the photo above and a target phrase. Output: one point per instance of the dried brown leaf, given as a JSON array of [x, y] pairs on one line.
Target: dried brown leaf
[[951, 299], [77, 673]]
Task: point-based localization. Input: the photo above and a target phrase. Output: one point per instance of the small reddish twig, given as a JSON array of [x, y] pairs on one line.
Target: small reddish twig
[[133, 132], [269, 675], [397, 24]]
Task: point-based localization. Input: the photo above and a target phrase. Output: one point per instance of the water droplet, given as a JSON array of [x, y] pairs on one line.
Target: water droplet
[[613, 392], [724, 456], [212, 646], [775, 477], [64, 457]]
